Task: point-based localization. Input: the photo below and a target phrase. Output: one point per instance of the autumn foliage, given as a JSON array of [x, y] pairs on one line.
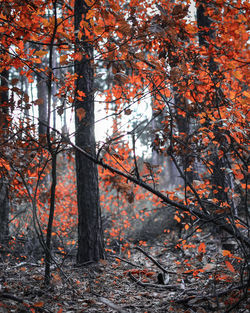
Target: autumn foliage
[[185, 60]]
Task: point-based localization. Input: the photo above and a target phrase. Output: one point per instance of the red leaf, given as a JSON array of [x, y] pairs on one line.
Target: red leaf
[[230, 266], [81, 93], [226, 253], [39, 304], [202, 248]]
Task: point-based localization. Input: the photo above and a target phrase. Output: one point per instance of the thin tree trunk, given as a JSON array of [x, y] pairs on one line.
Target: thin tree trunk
[[42, 93], [90, 235], [51, 218], [53, 151]]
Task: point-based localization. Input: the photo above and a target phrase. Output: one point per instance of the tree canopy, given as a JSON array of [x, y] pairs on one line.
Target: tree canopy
[[187, 61]]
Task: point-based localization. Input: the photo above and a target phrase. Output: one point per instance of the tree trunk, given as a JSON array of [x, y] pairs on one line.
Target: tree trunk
[[42, 93], [4, 199], [4, 210], [203, 21], [90, 235], [206, 31]]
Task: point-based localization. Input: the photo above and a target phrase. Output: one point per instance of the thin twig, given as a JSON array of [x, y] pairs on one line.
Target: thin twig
[[123, 260], [135, 161]]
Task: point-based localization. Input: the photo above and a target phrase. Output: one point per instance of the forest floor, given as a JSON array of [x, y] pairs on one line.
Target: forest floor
[[198, 281]]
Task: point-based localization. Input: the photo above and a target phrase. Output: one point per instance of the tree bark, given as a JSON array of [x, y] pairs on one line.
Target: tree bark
[[42, 93], [4, 210], [203, 21], [206, 31], [4, 199], [90, 234]]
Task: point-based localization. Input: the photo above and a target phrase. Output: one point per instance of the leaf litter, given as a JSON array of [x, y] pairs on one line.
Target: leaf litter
[[157, 278]]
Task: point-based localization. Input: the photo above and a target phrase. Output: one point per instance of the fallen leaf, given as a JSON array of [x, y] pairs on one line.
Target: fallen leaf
[[202, 248], [230, 266], [39, 304]]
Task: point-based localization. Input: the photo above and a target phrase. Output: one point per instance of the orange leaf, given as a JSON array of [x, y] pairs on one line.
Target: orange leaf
[[226, 253], [80, 113], [77, 56], [246, 94], [56, 278], [63, 59], [40, 53], [202, 248], [230, 266], [238, 75], [99, 30], [177, 218], [39, 304], [60, 310], [5, 164], [90, 14], [81, 93], [89, 2], [149, 274]]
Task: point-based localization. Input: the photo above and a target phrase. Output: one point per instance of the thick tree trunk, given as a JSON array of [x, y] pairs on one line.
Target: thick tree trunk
[[90, 235], [4, 199], [203, 21], [205, 32], [4, 210]]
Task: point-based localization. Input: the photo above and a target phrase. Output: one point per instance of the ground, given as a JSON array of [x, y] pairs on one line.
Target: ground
[[134, 284]]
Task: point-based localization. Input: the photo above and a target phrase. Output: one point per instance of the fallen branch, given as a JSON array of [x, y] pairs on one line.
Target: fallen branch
[[111, 305], [174, 287], [5, 295], [155, 262]]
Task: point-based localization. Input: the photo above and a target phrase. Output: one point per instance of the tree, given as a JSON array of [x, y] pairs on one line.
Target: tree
[[144, 49], [42, 94], [4, 198], [90, 236]]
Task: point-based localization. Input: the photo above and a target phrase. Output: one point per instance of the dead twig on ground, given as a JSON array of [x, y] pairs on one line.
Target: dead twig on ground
[[112, 305], [123, 260]]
